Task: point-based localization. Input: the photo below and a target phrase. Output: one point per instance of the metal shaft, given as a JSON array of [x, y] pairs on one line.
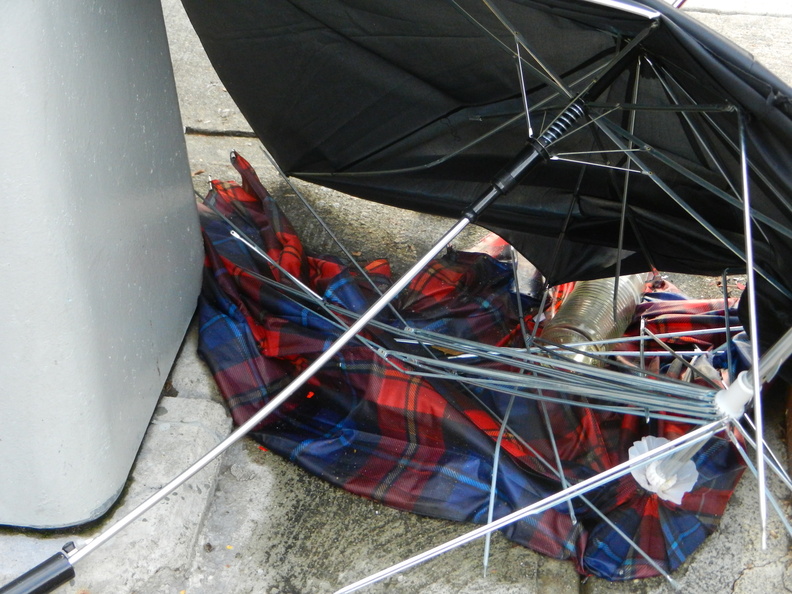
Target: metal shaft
[[273, 404], [508, 177], [511, 175]]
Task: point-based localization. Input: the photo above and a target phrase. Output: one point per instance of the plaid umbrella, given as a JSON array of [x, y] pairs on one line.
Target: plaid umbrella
[[425, 445]]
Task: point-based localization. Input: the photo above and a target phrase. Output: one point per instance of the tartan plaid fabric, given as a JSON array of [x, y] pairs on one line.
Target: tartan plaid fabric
[[425, 445]]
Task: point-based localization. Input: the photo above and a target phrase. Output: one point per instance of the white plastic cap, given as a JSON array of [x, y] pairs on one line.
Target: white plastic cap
[[652, 478], [732, 401]]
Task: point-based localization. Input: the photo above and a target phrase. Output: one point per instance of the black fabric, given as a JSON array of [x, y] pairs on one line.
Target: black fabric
[[422, 100]]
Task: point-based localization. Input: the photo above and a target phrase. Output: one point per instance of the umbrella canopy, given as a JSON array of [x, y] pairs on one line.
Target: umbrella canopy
[[419, 104], [377, 427]]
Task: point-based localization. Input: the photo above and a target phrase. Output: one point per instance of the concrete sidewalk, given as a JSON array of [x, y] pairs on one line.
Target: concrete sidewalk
[[253, 523]]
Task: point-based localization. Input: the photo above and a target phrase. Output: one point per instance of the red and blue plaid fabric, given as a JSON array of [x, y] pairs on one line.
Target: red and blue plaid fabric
[[417, 444]]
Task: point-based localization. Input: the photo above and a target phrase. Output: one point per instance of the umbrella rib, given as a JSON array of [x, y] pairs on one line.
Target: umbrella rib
[[508, 383], [554, 445], [768, 496], [611, 131], [600, 165], [523, 90], [774, 463], [546, 75], [659, 408], [566, 378], [727, 314], [548, 72], [623, 213], [674, 584], [682, 360], [754, 323], [679, 108], [710, 187], [519, 358], [560, 475], [730, 142], [693, 127], [494, 478], [659, 335]]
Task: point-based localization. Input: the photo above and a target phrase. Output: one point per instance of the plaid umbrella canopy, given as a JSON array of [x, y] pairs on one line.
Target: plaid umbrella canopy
[[427, 445]]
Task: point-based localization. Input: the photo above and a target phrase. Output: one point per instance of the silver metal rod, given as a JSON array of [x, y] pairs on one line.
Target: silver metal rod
[[581, 375], [642, 344], [256, 249], [561, 381], [241, 236], [771, 186], [774, 463], [523, 91], [729, 362], [697, 134], [545, 68], [625, 187], [581, 488], [494, 480], [753, 317], [710, 187], [561, 476], [672, 582], [747, 459], [682, 360], [658, 335], [634, 403], [565, 382], [600, 165], [270, 407]]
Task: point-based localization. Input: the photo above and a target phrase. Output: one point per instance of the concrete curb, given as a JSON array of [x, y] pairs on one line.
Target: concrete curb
[[147, 555]]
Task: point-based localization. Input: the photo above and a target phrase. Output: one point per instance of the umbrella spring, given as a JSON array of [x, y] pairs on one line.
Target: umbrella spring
[[561, 124]]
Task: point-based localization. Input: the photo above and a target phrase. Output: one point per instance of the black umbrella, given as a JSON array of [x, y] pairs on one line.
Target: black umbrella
[[419, 105]]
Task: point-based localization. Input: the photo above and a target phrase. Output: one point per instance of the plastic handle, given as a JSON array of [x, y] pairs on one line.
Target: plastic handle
[[45, 577]]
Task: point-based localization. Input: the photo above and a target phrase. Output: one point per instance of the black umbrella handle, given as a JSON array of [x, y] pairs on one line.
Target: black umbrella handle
[[45, 577]]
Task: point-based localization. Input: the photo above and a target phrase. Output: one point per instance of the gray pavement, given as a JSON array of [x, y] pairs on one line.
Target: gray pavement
[[253, 523]]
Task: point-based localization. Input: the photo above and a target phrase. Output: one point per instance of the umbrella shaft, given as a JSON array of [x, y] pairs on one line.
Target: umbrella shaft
[[487, 198]]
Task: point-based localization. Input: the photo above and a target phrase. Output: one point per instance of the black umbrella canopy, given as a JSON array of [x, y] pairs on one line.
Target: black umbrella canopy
[[418, 104]]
